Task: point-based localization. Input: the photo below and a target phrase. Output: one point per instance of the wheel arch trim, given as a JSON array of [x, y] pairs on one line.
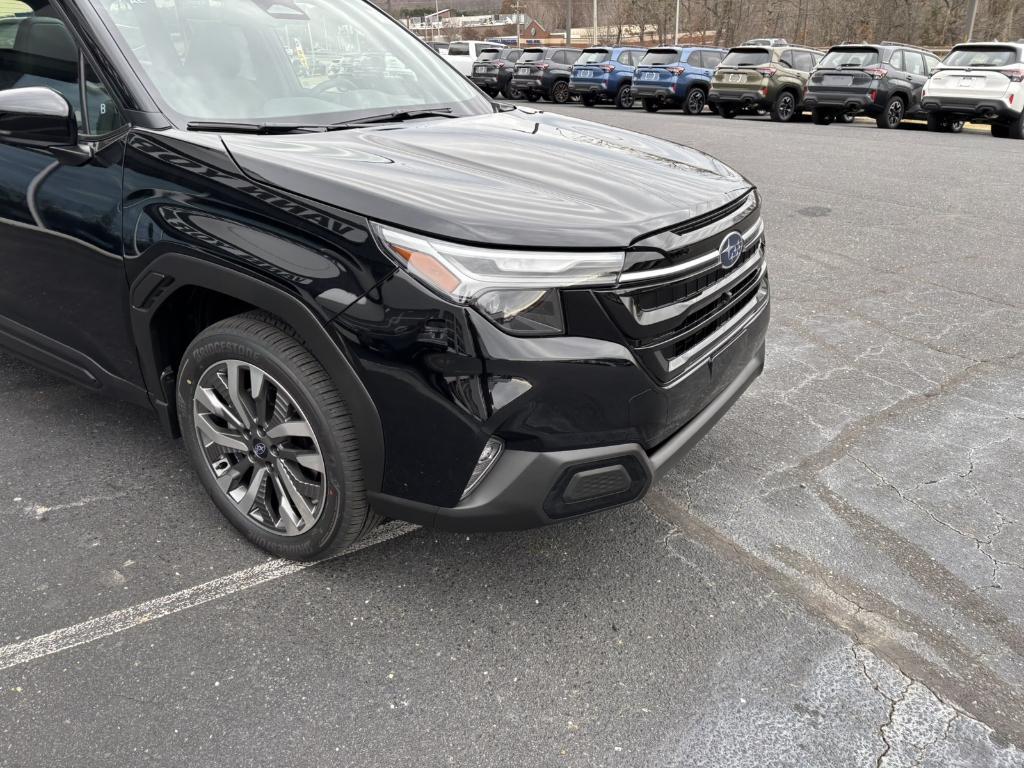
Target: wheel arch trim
[[170, 272]]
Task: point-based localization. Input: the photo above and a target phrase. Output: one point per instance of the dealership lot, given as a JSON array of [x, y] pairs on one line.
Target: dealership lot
[[835, 575]]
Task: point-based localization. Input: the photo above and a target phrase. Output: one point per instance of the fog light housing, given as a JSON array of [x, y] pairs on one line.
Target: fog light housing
[[488, 458]]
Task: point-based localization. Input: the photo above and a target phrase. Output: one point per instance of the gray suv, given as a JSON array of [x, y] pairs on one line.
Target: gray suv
[[545, 72]]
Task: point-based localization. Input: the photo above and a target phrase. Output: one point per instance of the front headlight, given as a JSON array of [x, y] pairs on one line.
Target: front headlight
[[517, 290]]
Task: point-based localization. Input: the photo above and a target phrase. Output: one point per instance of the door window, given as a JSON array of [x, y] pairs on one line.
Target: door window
[[896, 60], [914, 62], [38, 51], [711, 59], [693, 59]]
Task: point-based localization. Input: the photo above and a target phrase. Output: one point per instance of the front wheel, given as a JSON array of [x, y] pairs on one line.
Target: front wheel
[[893, 114], [784, 109], [624, 97], [271, 438], [560, 92], [695, 101]]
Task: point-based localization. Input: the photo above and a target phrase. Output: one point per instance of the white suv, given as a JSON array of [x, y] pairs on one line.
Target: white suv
[[980, 82]]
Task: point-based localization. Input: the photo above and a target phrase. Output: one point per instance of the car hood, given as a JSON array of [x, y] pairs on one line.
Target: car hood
[[520, 177]]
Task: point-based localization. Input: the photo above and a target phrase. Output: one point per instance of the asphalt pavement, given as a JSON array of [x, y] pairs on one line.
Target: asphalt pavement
[[833, 577]]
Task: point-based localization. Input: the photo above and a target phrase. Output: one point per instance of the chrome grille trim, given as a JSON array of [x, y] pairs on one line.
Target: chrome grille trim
[[698, 355], [693, 265], [681, 241], [661, 314]]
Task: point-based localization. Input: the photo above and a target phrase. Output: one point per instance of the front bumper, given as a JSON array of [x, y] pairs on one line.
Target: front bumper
[[527, 489], [975, 110]]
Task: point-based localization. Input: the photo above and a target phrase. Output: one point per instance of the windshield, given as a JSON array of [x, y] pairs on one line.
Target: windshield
[[851, 57], [316, 62], [743, 58], [991, 56], [659, 57], [594, 57]]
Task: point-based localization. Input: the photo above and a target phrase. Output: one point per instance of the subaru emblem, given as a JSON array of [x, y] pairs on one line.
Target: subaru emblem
[[730, 250]]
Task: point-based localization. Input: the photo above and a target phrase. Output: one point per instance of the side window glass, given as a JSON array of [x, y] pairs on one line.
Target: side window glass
[[786, 59], [711, 59], [559, 57], [571, 56], [914, 62], [931, 62], [693, 59], [36, 50], [896, 60], [102, 115]]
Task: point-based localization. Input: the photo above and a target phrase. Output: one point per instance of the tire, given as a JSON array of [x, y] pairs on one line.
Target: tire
[[785, 108], [893, 114], [651, 105], [1015, 130], [624, 97], [511, 92], [532, 96], [935, 123], [315, 464], [939, 124], [588, 100], [821, 116], [847, 117], [957, 126], [559, 92], [727, 112], [695, 101]]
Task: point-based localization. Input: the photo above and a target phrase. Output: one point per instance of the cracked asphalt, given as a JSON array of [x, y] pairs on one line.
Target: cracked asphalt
[[833, 577]]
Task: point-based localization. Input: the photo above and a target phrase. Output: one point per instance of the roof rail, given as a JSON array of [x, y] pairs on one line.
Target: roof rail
[[904, 45]]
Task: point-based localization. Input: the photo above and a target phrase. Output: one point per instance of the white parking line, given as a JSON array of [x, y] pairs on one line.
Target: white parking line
[[119, 621]]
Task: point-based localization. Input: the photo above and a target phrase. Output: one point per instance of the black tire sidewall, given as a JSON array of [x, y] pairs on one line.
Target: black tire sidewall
[[212, 347]]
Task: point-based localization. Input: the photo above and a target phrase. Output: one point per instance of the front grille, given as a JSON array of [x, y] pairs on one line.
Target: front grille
[[673, 314]]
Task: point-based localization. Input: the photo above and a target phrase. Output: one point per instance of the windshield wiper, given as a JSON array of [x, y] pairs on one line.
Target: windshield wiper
[[392, 117], [264, 128]]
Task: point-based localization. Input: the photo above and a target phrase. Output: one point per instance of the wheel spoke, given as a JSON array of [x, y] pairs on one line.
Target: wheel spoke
[[236, 395], [290, 429], [290, 518], [210, 399], [219, 435], [227, 480], [299, 502], [245, 501]]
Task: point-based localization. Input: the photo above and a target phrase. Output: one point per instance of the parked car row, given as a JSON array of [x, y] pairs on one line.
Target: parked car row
[[889, 82]]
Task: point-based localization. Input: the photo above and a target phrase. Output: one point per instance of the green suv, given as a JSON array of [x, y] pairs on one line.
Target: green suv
[[755, 79]]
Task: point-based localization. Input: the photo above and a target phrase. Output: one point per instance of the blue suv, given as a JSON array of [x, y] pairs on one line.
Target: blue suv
[[605, 75], [676, 77]]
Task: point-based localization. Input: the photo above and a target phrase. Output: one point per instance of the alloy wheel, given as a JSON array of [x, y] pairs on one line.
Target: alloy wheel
[[695, 103], [786, 107], [626, 97], [560, 92], [260, 447], [895, 113]]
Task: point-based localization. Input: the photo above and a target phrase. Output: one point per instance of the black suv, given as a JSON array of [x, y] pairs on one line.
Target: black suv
[[317, 284], [881, 81], [545, 72], [493, 71]]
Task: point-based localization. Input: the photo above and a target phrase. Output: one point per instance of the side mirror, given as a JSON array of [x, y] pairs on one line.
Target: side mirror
[[41, 117]]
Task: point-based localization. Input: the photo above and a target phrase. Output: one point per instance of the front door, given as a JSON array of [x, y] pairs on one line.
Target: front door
[[62, 279]]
